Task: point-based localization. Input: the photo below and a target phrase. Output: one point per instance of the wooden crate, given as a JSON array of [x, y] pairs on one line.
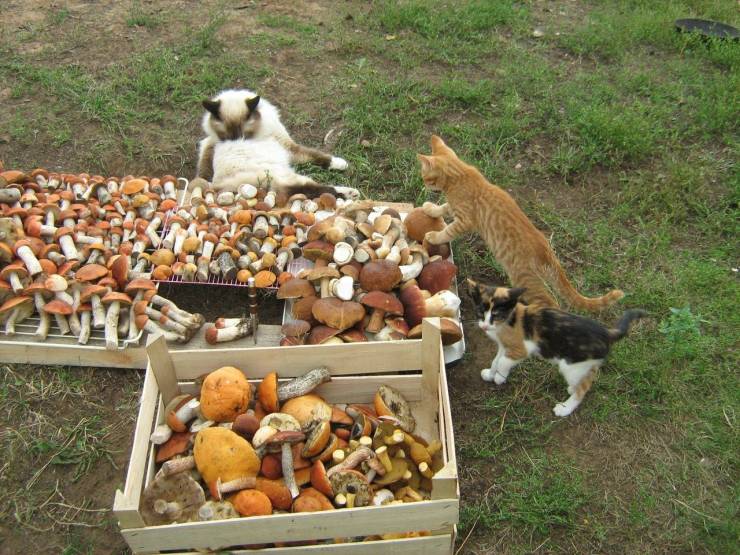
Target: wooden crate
[[357, 369]]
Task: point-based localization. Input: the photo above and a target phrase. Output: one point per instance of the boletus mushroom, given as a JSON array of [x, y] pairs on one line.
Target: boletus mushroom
[[225, 393], [170, 499]]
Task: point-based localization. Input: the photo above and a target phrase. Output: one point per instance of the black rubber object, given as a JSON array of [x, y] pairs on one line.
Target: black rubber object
[[708, 29]]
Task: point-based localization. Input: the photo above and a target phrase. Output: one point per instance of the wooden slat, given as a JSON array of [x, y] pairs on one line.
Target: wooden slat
[[31, 352], [430, 353], [350, 358], [427, 545], [160, 362], [126, 504], [362, 521]]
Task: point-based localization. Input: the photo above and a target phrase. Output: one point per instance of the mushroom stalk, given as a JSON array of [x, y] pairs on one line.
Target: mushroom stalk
[[84, 334], [98, 312], [174, 466], [288, 476], [29, 259], [303, 384], [15, 282], [352, 460], [111, 326], [62, 324], [19, 314], [221, 335], [143, 322], [44, 321], [68, 247]]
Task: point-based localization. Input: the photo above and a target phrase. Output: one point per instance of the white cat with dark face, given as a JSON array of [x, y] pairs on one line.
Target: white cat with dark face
[[247, 143], [576, 344]]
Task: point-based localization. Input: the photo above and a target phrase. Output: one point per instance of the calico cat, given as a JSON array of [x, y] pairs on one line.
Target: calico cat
[[247, 143], [576, 344], [477, 205]]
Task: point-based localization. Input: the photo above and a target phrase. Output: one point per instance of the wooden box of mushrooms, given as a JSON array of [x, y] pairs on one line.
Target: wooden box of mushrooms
[[343, 449]]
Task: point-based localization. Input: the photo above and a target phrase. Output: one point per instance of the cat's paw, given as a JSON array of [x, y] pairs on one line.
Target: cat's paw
[[432, 210], [433, 238], [338, 164], [561, 409], [487, 375], [350, 193], [499, 378]]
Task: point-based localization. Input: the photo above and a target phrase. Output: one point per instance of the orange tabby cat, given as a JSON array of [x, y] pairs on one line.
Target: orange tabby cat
[[521, 248]]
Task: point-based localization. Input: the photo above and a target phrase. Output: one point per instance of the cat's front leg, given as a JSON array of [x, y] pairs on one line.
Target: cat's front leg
[[436, 210], [500, 369], [452, 230]]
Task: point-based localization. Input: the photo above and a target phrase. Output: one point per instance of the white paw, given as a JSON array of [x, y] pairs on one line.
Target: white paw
[[349, 193], [487, 375], [571, 389], [499, 378], [430, 209], [338, 164], [561, 410]]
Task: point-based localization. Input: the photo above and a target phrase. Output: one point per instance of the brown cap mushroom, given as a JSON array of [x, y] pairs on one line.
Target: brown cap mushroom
[[170, 499], [311, 500], [251, 502], [337, 313], [225, 393], [320, 252], [389, 402], [381, 303], [321, 334], [295, 289], [380, 275], [222, 454], [418, 224], [437, 276], [267, 392]]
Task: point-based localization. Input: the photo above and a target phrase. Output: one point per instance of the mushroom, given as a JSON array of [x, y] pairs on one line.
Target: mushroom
[[223, 454], [19, 308], [170, 499], [60, 309], [320, 480], [40, 294], [137, 287], [287, 432], [449, 328], [92, 293], [323, 274], [437, 276], [323, 335], [304, 384], [343, 288], [381, 303], [114, 300], [417, 306], [216, 335], [296, 331], [353, 487], [84, 310], [320, 252], [14, 274], [217, 510], [27, 251], [176, 444], [389, 402], [251, 502], [413, 269], [307, 408], [418, 224], [338, 314], [311, 500], [224, 394], [380, 275]]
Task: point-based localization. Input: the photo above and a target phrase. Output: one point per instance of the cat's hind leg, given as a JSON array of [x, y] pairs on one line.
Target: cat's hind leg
[[300, 154], [580, 376]]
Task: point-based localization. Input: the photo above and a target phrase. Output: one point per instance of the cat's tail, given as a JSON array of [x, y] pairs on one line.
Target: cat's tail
[[622, 327], [592, 304]]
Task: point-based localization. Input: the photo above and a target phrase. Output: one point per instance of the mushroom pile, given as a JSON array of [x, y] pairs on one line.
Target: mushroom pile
[[282, 448], [233, 236], [374, 277], [71, 249]]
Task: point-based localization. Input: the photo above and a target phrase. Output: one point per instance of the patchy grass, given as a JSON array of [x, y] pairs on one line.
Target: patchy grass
[[617, 135]]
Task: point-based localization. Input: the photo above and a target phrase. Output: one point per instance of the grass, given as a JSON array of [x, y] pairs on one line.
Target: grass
[[618, 137]]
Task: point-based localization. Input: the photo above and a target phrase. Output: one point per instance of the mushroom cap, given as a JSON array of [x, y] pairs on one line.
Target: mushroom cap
[[389, 402], [296, 288], [437, 276], [162, 257], [311, 500], [337, 313], [246, 424], [307, 408], [113, 296], [353, 335], [303, 309], [282, 422], [264, 278], [14, 302], [37, 287], [414, 305], [140, 284], [317, 438], [418, 224], [267, 392], [451, 331], [321, 334], [177, 488], [276, 491], [351, 481], [91, 272], [14, 268], [319, 480], [380, 275], [133, 186], [217, 510], [178, 443], [384, 301], [91, 290], [315, 250], [322, 272], [221, 453], [118, 266], [251, 502], [225, 393], [56, 283], [296, 328], [286, 436], [58, 306]]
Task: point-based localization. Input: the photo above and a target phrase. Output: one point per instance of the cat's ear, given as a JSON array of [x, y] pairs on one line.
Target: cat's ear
[[427, 163], [437, 144], [213, 106], [516, 292], [474, 288], [252, 103]]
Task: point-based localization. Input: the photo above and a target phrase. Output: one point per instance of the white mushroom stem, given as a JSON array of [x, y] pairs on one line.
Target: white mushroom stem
[[394, 255], [68, 247], [179, 240], [74, 324], [64, 297], [62, 324], [208, 250], [222, 335], [122, 328], [247, 191], [411, 271], [15, 282], [98, 312], [166, 508], [174, 466], [260, 227], [160, 434], [383, 496], [247, 482], [169, 239], [170, 190], [388, 239], [111, 326], [303, 384], [226, 322], [150, 326], [340, 500], [288, 476], [133, 330], [352, 460], [29, 259], [84, 335], [19, 314], [173, 310], [44, 321]]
